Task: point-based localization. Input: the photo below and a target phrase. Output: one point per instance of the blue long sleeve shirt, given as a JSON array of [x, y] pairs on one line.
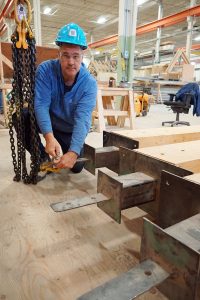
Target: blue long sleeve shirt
[[66, 112]]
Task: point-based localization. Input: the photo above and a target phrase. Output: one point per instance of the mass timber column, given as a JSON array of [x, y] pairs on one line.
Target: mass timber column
[[37, 22], [190, 20], [126, 41], [157, 48]]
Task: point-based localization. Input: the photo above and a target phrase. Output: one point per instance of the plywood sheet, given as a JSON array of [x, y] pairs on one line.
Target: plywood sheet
[[49, 256], [42, 53], [186, 155], [194, 177]]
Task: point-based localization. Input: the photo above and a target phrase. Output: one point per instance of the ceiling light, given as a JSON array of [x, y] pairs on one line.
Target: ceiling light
[[197, 38], [101, 20], [47, 11]]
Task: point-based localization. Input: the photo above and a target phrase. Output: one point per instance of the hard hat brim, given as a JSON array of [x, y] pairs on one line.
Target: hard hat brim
[[59, 43]]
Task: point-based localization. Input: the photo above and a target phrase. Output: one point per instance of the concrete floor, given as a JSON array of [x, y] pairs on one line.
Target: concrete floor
[[159, 113]]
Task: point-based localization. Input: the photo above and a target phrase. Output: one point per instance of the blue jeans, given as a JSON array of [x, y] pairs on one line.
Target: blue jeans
[[63, 138]]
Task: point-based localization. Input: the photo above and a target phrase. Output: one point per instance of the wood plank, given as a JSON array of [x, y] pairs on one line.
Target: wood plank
[[108, 104], [123, 107], [194, 177], [5, 86], [131, 110], [162, 136], [5, 106], [114, 92], [1, 65], [177, 154], [7, 62], [116, 89], [111, 112], [192, 165], [44, 255], [100, 111], [42, 53]]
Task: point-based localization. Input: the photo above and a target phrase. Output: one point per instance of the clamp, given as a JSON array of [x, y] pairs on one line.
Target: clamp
[[50, 166]]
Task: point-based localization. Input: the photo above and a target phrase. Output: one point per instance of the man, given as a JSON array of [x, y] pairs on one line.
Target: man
[[65, 96]]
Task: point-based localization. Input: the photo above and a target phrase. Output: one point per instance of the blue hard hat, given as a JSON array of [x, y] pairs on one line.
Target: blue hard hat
[[71, 34]]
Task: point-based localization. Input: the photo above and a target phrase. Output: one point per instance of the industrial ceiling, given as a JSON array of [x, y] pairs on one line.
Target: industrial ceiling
[[87, 12]]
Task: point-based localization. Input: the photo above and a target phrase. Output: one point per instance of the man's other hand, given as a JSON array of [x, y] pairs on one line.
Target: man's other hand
[[53, 148], [68, 160]]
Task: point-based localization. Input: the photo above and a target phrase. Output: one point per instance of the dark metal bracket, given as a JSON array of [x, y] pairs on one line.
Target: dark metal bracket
[[179, 199], [101, 157], [114, 139], [168, 261], [108, 155]]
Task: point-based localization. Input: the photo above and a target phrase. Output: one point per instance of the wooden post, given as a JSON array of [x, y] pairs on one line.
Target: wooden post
[[101, 121], [132, 110]]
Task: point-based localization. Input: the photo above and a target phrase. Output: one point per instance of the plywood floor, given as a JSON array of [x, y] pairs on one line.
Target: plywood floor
[[44, 255]]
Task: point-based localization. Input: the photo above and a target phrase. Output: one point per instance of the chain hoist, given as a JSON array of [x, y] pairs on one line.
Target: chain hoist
[[22, 95]]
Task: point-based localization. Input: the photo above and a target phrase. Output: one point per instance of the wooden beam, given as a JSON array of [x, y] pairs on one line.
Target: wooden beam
[[148, 138], [42, 54], [180, 154]]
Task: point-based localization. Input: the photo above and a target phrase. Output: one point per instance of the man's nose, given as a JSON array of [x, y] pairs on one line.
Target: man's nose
[[71, 60]]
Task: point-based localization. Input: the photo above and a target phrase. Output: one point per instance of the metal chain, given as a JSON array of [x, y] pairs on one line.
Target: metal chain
[[23, 95]]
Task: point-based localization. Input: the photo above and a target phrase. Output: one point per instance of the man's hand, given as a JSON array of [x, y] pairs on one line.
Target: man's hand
[[68, 160], [52, 146]]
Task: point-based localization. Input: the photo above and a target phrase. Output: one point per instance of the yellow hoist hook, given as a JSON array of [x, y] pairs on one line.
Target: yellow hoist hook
[[23, 19]]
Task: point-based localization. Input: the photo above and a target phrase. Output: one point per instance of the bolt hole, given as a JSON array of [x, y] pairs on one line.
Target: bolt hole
[[148, 273]]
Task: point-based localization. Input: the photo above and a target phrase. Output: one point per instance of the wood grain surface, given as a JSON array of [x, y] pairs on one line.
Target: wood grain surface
[[59, 256]]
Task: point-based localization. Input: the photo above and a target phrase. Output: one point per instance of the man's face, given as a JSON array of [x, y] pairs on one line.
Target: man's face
[[71, 57]]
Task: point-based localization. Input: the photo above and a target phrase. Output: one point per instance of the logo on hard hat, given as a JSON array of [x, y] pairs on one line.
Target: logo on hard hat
[[72, 32]]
